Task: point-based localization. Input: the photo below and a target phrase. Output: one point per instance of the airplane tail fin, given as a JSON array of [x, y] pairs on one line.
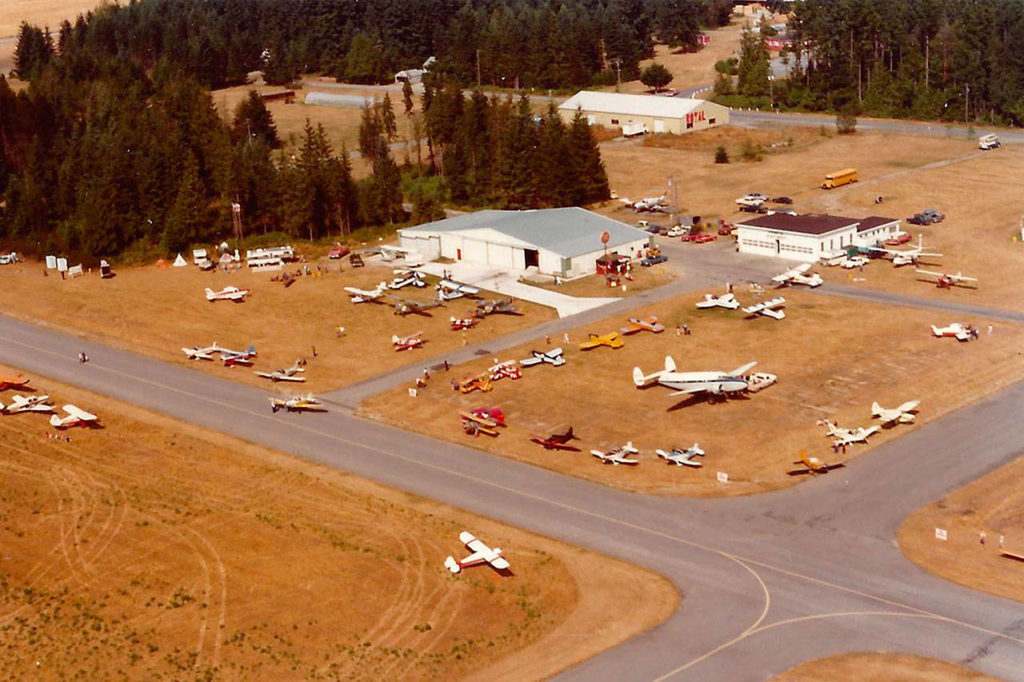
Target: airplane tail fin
[[569, 435], [670, 364], [394, 339], [55, 421], [638, 377], [876, 409], [452, 565]]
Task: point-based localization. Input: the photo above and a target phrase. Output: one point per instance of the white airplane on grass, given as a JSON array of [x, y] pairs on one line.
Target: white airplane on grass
[[771, 308], [715, 384], [450, 289], [197, 353], [958, 330], [227, 294], [230, 358], [289, 374], [368, 295], [724, 301], [904, 414], [406, 278], [849, 436], [681, 457], [33, 403], [481, 554], [553, 357], [75, 417], [909, 256], [617, 456], [797, 276]]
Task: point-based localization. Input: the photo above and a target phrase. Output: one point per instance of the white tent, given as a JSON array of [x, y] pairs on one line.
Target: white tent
[[180, 262]]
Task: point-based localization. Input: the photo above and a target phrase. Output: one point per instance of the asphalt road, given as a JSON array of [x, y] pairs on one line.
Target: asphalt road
[[767, 581]]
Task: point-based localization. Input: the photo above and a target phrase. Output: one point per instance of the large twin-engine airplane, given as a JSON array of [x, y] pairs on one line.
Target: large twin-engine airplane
[[288, 374], [75, 417], [481, 554], [715, 384], [911, 256], [368, 295], [13, 381], [227, 294], [813, 465], [849, 436], [945, 280], [557, 441], [681, 457], [33, 403], [798, 275], [904, 414], [611, 339], [617, 456]]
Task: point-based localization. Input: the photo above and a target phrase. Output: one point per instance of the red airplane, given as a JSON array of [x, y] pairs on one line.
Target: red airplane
[[463, 323], [12, 381], [557, 441]]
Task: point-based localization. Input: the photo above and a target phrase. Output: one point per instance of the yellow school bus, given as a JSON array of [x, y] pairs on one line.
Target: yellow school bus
[[840, 178]]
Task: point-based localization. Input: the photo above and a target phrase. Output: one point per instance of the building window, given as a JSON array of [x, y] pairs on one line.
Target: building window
[[689, 124], [615, 121], [711, 121]]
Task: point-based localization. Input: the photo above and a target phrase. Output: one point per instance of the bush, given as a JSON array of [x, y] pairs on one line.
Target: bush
[[751, 151], [721, 156], [846, 121]]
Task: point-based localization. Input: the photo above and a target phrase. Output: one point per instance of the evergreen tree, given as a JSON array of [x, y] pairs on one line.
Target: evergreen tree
[[254, 121], [593, 178], [754, 66], [656, 76], [187, 217]]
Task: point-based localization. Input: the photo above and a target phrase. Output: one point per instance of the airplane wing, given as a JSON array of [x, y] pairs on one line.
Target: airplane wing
[[908, 406], [79, 413], [743, 369]]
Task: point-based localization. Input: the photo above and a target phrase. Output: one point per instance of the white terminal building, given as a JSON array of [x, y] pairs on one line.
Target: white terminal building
[[555, 241], [811, 237], [657, 114]]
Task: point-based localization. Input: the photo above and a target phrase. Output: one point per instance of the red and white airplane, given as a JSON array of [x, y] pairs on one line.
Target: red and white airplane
[[958, 330], [481, 554], [227, 294], [368, 295], [459, 323], [12, 381], [75, 417], [945, 280], [197, 353], [33, 403], [408, 342], [237, 357]]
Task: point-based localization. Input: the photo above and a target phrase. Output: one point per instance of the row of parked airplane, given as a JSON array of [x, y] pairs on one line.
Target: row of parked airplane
[[620, 455], [447, 291], [810, 465], [74, 416], [229, 357]]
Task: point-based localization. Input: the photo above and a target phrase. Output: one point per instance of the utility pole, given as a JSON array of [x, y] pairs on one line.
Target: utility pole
[[618, 72], [967, 101], [478, 67]]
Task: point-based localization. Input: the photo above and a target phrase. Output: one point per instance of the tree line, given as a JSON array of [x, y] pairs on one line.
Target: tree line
[[930, 59], [522, 43]]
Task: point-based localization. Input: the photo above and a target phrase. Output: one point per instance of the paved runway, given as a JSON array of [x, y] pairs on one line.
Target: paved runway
[[767, 581]]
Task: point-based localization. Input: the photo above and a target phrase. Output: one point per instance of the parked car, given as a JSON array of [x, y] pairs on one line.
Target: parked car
[[677, 231], [782, 200], [754, 208], [752, 198], [688, 237], [705, 237], [926, 217], [901, 238], [338, 251], [725, 229], [356, 261], [653, 260]]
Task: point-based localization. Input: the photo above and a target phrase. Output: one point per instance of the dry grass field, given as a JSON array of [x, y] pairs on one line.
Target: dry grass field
[[158, 311], [595, 286], [832, 359], [975, 190], [889, 667], [123, 559], [41, 13], [994, 505]]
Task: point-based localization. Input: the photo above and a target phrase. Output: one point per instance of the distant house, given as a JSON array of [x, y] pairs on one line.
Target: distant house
[[659, 114], [777, 42], [288, 96]]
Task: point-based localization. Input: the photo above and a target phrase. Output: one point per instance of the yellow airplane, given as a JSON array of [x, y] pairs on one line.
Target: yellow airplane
[[474, 424], [611, 340], [812, 465], [480, 382]]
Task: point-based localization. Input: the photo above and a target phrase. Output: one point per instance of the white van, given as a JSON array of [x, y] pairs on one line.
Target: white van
[[989, 141]]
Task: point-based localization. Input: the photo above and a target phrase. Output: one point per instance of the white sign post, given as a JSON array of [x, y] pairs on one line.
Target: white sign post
[[940, 534], [722, 477]]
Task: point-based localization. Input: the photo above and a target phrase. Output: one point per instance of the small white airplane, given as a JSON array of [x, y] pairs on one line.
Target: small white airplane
[[230, 358], [553, 357], [481, 554], [75, 417], [854, 262], [450, 289], [904, 414], [368, 295], [390, 253], [958, 330], [909, 256], [407, 342], [619, 455], [724, 301], [227, 294], [771, 308], [33, 403], [849, 436], [946, 280], [302, 403], [716, 384], [797, 276], [197, 353], [682, 457], [408, 278], [289, 374]]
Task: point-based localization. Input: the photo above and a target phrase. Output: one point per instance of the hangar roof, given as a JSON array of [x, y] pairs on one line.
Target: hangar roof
[[567, 232], [810, 223], [637, 105]]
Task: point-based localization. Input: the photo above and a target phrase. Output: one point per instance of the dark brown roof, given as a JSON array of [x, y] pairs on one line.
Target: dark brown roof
[[873, 221], [810, 223]]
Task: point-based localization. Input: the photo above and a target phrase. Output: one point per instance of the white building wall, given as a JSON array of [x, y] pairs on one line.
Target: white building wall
[[500, 255], [474, 251], [806, 248], [428, 247]]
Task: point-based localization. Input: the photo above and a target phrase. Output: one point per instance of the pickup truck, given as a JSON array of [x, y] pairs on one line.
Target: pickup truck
[[653, 260]]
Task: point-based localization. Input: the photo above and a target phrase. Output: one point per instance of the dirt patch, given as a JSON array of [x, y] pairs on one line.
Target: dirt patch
[[596, 286], [833, 359], [122, 559], [993, 505], [41, 13], [872, 666], [156, 312]]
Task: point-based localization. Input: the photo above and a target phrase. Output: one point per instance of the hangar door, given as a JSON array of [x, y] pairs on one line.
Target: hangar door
[[474, 251]]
